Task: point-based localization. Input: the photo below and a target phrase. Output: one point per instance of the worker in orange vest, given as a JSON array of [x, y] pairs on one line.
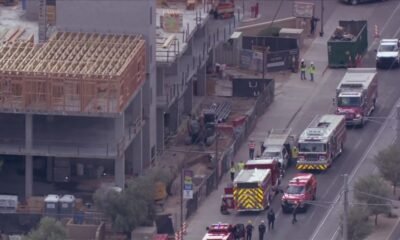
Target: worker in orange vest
[[252, 148]]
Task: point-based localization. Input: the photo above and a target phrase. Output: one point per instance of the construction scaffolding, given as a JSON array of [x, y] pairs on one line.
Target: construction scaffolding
[[72, 73]]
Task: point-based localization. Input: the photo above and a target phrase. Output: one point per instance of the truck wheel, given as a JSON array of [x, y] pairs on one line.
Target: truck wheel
[[374, 104], [354, 2], [361, 125], [341, 148]]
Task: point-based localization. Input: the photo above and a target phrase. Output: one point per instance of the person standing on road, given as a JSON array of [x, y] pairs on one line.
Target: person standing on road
[[240, 166], [295, 153], [262, 148], [313, 24], [249, 230], [261, 230], [232, 171], [311, 70], [252, 149], [295, 209], [303, 68], [271, 218]]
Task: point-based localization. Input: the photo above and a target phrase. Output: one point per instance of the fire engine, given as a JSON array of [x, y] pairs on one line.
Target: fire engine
[[356, 95], [302, 188], [321, 142], [252, 190], [270, 164], [219, 231], [253, 187]]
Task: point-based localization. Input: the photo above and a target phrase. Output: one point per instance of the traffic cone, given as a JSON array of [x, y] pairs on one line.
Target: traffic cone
[[184, 228], [178, 235], [376, 31]]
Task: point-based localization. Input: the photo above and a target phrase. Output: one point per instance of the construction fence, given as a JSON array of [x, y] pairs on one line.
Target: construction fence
[[264, 99]]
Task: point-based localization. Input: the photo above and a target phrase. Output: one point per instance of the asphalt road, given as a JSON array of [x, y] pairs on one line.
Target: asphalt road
[[387, 16]]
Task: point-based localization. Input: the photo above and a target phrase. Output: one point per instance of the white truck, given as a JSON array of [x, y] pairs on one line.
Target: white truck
[[388, 53], [277, 146]]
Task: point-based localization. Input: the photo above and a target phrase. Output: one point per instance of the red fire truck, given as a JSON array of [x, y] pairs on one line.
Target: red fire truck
[[321, 142], [251, 191], [271, 164], [356, 95], [302, 188], [219, 231]]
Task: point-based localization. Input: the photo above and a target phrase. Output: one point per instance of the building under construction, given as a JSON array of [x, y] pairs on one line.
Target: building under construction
[[80, 104], [77, 106]]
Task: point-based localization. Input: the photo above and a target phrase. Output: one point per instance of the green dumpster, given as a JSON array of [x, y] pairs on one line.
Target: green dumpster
[[348, 44]]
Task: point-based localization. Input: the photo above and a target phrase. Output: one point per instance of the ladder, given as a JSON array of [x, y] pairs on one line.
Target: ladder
[[42, 21]]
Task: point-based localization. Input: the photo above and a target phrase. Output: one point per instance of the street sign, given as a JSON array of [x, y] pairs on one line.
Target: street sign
[[187, 184], [303, 9], [187, 194]]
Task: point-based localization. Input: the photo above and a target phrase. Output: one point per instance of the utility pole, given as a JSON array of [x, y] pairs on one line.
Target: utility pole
[[216, 156], [182, 183], [398, 123], [263, 64], [321, 33], [345, 207]]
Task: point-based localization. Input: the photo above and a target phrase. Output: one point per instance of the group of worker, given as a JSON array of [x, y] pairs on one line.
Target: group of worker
[[310, 69], [262, 228]]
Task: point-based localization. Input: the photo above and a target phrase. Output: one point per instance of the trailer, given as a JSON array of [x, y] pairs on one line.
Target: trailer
[[348, 44]]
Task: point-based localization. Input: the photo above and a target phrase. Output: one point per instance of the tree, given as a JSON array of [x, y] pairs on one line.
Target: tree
[[373, 191], [358, 227], [132, 207], [388, 163], [48, 229]]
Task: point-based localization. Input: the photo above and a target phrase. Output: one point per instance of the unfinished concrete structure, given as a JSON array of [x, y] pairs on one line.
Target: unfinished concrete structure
[[79, 96], [182, 59]]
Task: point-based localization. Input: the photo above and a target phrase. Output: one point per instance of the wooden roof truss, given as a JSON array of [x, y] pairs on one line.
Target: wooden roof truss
[[97, 66]]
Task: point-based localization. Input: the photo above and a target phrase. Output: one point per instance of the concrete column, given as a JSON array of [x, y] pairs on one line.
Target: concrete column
[[137, 151], [49, 169], [119, 166], [188, 98], [202, 81], [160, 129], [28, 156]]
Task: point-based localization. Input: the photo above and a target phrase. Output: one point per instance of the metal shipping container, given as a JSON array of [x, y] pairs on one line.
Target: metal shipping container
[[344, 51]]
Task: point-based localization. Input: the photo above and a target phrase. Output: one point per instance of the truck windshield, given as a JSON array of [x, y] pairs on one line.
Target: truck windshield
[[387, 48], [271, 154], [349, 101], [295, 190], [312, 147]]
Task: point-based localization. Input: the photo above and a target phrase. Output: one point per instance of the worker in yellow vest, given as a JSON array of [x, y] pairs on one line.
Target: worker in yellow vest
[[295, 153], [311, 71], [303, 68]]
